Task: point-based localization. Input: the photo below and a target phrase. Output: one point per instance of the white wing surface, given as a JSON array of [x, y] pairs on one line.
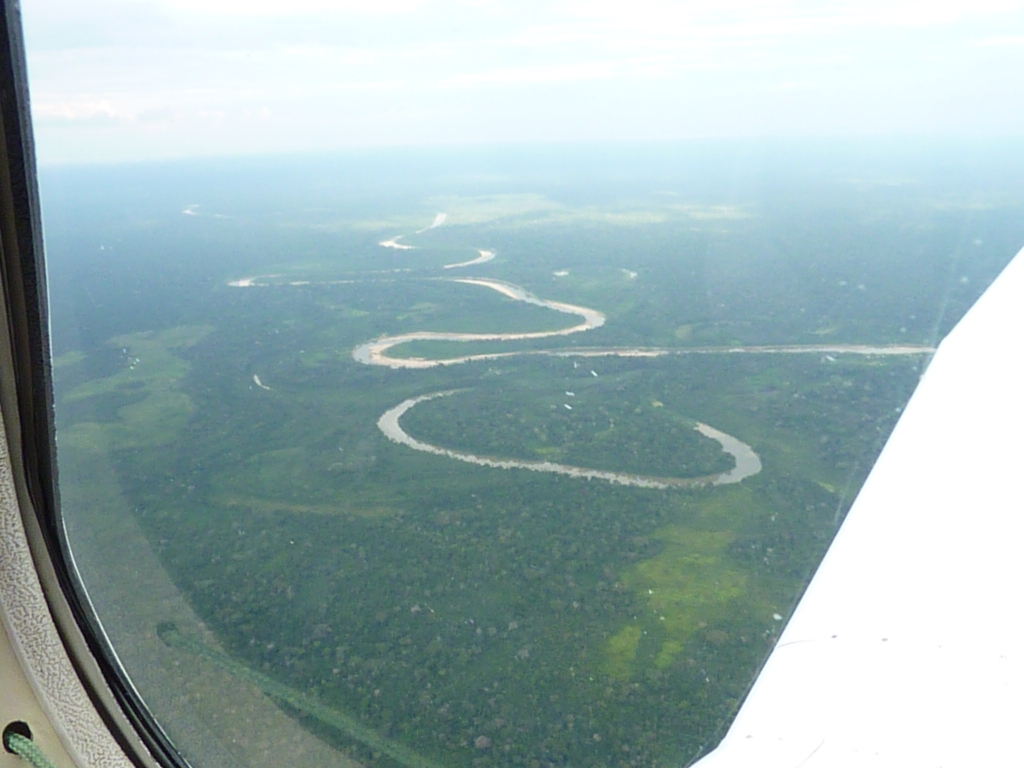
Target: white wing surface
[[906, 649]]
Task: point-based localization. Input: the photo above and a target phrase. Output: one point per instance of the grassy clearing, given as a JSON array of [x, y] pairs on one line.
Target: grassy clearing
[[151, 369]]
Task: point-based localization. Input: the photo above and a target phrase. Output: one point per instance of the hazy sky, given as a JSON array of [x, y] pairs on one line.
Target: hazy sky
[[138, 79]]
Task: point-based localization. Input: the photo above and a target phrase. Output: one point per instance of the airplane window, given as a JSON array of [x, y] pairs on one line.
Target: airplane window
[[480, 384]]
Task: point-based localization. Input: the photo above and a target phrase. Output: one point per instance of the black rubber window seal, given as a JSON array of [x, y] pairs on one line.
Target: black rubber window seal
[[23, 276]]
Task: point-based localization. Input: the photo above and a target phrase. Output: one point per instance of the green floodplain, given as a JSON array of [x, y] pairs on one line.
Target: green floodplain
[[415, 610]]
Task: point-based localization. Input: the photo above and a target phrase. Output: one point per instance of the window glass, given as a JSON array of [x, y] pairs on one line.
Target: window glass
[[478, 385]]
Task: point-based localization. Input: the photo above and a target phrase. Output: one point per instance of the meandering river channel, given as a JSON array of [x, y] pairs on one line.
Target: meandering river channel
[[375, 352], [747, 462]]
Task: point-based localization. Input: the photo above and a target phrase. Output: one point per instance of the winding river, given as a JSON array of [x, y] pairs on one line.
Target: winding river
[[747, 462], [483, 258], [375, 352]]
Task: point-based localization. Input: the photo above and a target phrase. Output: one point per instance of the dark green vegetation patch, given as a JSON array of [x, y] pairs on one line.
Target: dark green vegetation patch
[[553, 411], [412, 609]]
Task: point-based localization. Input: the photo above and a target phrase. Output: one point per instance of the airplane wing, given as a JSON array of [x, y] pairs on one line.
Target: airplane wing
[[906, 649]]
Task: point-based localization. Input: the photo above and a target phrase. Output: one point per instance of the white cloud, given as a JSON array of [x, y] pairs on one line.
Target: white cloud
[[322, 73], [999, 41], [554, 73], [83, 109], [292, 7]]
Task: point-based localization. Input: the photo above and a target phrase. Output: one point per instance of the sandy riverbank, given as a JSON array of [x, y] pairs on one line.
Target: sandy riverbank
[[393, 243], [483, 258], [439, 219], [375, 352]]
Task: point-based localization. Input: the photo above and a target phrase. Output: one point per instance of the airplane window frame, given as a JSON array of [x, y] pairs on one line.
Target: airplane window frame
[[26, 404], [27, 408]]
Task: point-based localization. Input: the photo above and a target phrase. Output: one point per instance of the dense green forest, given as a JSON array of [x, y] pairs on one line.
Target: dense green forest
[[416, 610], [550, 414]]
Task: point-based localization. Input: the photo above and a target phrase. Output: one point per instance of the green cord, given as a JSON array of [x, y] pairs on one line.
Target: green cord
[[26, 748]]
